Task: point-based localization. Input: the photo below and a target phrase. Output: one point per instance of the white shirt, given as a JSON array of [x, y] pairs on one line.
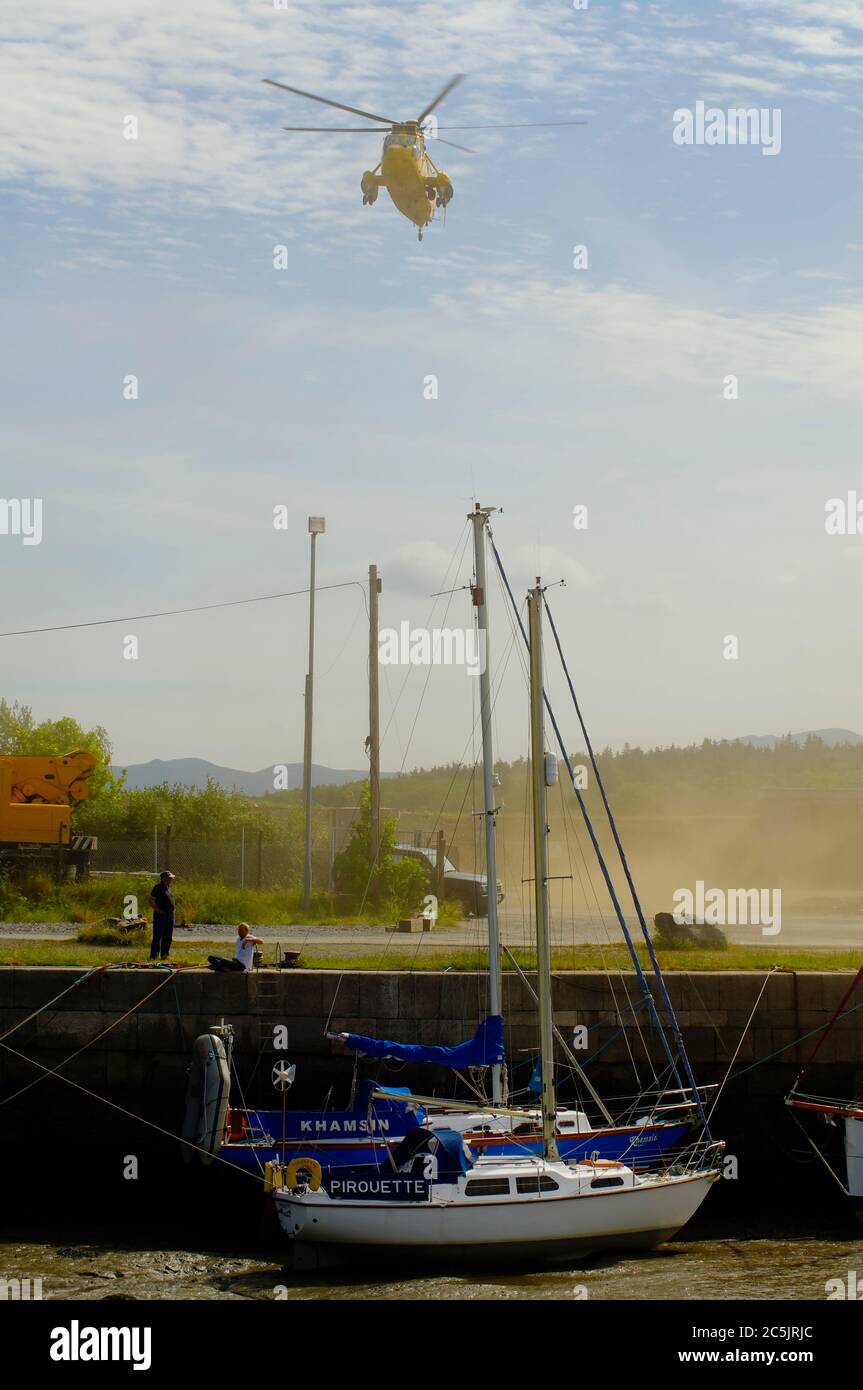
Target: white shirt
[[245, 951]]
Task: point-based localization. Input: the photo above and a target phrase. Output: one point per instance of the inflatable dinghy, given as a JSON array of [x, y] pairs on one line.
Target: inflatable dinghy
[[207, 1095]]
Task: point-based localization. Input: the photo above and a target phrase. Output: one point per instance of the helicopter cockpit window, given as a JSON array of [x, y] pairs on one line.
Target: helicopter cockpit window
[[399, 138]]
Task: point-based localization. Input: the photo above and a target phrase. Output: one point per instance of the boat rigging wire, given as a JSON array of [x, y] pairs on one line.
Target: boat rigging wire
[[828, 1028], [746, 1028], [815, 1149], [672, 1018], [608, 880]]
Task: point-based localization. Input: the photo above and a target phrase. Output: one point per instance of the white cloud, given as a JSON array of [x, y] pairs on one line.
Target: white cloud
[[421, 567], [550, 563], [647, 338]]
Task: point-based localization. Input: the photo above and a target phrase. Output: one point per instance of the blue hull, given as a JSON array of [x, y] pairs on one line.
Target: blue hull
[[639, 1147]]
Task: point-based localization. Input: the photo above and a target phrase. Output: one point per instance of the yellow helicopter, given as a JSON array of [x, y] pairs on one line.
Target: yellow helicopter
[[406, 170]]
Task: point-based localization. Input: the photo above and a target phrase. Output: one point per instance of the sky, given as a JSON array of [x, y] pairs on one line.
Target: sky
[[695, 385]]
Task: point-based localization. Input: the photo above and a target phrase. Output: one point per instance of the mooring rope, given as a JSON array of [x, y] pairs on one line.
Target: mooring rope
[[166, 981], [815, 1149], [50, 1071], [767, 978], [95, 970]]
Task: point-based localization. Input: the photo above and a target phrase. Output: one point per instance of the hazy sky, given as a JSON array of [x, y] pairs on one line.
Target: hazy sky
[[557, 386]]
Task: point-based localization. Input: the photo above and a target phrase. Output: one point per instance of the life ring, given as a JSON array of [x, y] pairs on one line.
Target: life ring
[[309, 1166]]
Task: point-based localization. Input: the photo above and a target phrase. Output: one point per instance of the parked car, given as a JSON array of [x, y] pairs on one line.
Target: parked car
[[471, 890]]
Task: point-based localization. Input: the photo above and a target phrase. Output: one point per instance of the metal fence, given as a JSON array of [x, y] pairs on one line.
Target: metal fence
[[248, 861]]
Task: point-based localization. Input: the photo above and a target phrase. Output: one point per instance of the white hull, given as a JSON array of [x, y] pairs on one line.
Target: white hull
[[854, 1156], [574, 1219]]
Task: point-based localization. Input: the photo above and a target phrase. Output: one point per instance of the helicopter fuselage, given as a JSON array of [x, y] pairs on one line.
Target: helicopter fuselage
[[415, 186]]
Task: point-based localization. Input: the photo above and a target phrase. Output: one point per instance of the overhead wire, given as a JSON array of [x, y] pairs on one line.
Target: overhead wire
[[176, 612]]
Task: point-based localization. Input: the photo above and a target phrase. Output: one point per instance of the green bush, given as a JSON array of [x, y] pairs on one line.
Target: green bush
[[394, 888], [105, 934]]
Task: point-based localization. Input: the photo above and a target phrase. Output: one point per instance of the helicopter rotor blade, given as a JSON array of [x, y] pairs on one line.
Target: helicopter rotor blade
[[453, 82], [454, 146], [337, 129], [325, 101], [518, 125]]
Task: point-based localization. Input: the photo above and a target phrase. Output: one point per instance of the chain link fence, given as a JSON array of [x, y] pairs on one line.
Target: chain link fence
[[247, 861]]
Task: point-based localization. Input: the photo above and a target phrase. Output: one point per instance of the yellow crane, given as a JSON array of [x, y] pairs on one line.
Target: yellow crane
[[37, 797]]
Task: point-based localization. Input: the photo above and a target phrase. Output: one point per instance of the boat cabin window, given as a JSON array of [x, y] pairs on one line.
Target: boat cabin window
[[487, 1187], [607, 1182], [541, 1182]]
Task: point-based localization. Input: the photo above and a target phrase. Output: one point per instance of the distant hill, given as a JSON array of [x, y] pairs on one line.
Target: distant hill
[[831, 737], [194, 772]]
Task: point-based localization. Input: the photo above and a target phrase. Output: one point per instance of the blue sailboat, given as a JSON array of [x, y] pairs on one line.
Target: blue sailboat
[[380, 1117]]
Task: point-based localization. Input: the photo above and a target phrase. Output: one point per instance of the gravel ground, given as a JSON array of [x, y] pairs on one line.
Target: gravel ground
[[830, 932]]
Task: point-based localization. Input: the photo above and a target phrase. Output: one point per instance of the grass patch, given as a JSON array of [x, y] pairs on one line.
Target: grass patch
[[38, 898], [428, 957]]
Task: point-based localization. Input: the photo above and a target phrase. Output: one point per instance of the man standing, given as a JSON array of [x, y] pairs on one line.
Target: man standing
[[162, 903]]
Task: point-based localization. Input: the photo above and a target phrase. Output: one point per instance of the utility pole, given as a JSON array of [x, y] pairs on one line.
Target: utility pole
[[540, 776], [317, 527], [479, 519], [374, 718]]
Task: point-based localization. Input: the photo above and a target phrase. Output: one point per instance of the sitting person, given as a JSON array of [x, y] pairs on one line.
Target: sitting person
[[244, 951]]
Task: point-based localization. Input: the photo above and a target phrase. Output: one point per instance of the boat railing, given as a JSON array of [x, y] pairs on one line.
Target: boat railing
[[827, 1105], [702, 1156]]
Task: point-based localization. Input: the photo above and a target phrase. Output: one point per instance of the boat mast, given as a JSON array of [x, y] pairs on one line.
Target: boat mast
[[479, 519], [540, 872]]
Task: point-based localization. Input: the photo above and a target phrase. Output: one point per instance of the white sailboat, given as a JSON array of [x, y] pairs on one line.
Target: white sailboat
[[435, 1198], [644, 1136]]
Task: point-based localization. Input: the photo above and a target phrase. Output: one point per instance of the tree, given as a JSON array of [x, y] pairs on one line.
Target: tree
[[20, 734], [387, 884]]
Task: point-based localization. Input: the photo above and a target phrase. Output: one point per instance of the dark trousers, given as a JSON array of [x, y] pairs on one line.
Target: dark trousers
[[163, 935], [222, 963]]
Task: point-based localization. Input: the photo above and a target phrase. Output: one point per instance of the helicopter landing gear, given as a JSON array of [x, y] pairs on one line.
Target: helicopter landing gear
[[365, 200], [420, 234]]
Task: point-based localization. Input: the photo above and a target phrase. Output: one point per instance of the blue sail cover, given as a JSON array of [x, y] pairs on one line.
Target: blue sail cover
[[485, 1048]]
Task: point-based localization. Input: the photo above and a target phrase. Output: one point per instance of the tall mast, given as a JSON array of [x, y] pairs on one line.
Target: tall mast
[[479, 519], [539, 775], [374, 720]]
